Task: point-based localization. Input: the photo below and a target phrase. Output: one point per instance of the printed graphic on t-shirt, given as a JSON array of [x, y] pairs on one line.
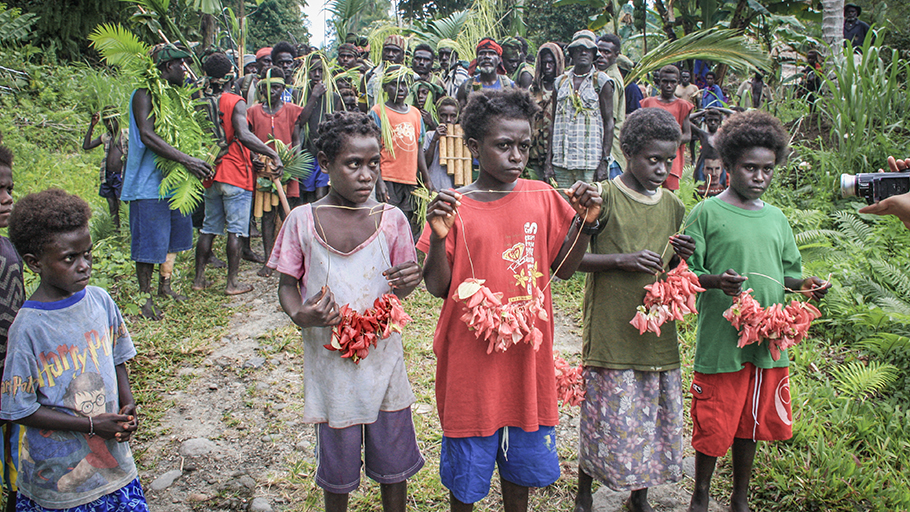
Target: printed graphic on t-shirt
[[404, 136], [522, 264]]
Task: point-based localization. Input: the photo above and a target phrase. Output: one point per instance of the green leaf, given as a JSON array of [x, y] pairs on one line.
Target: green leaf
[[858, 381]]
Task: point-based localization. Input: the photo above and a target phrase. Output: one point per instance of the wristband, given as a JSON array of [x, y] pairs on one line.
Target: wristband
[[91, 427], [588, 229]]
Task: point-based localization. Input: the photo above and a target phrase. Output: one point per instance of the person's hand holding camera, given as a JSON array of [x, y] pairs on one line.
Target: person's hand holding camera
[[898, 205]]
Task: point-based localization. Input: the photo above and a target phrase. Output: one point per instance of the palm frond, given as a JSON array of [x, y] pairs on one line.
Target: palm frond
[[14, 25], [883, 344], [894, 306], [298, 164], [858, 381], [344, 13], [720, 45], [119, 46]]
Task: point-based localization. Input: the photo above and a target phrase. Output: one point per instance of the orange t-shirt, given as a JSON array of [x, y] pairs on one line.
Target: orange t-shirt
[[407, 138], [278, 126], [680, 110]]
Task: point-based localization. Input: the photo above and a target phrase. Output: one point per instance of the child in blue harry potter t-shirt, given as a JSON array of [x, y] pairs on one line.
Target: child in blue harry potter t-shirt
[[65, 378]]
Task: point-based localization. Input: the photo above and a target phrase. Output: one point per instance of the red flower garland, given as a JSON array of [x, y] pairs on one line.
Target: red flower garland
[[570, 385], [782, 326], [503, 325], [356, 332], [670, 299]]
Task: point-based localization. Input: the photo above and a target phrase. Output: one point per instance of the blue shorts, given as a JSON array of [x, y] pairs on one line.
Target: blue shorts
[[111, 186], [156, 230], [316, 179], [128, 498], [527, 459], [389, 450], [227, 205]]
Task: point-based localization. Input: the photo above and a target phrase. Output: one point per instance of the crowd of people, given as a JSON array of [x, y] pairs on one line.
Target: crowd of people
[[573, 170]]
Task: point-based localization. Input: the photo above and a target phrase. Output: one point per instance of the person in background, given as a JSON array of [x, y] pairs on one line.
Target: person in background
[[712, 94], [116, 144], [686, 89], [550, 64], [633, 91], [855, 30], [490, 71], [609, 48], [447, 110], [452, 71], [393, 50], [898, 205], [669, 77], [753, 93], [513, 58], [263, 58], [422, 64]]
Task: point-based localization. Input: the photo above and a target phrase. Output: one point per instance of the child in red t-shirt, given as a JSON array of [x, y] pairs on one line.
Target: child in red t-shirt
[[500, 407], [668, 78]]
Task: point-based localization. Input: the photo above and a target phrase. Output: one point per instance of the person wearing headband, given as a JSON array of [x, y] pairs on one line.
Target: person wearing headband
[[513, 59], [393, 51], [263, 58], [157, 232], [116, 144], [490, 74], [550, 64]]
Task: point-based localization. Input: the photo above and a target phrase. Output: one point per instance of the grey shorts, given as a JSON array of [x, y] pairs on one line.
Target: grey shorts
[[390, 452]]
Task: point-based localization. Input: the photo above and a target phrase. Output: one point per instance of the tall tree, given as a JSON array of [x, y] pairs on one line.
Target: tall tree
[[832, 21], [547, 22], [355, 15], [277, 20], [416, 10]]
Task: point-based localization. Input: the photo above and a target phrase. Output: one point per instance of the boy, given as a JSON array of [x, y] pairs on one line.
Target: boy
[[316, 185], [713, 117], [274, 118], [713, 95], [115, 143], [403, 132], [65, 378], [500, 408], [447, 110], [741, 395], [12, 294], [667, 79]]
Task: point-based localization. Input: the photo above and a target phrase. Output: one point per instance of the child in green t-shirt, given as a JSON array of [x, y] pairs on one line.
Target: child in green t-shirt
[[741, 395], [630, 433]]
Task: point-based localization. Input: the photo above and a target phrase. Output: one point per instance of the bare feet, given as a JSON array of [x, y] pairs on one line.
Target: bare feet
[[638, 502], [249, 255], [214, 262], [164, 290], [254, 231], [197, 285], [238, 289], [698, 504], [149, 310], [584, 502], [264, 272]]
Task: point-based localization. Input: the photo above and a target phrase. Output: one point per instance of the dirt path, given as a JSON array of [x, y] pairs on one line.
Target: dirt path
[[233, 430]]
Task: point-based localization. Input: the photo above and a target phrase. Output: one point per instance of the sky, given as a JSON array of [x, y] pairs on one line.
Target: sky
[[316, 17]]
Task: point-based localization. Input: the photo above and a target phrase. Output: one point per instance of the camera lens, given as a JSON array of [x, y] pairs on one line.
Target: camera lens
[[847, 185]]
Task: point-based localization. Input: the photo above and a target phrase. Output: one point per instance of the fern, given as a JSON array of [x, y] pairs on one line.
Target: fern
[[893, 276], [883, 344], [15, 26], [120, 47], [852, 227], [813, 235], [857, 381]]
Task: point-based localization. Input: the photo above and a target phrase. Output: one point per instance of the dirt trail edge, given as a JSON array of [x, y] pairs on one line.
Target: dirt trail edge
[[234, 427]]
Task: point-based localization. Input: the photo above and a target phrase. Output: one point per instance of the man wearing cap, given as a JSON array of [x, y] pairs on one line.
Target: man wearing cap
[[513, 59], [609, 46], [490, 72], [632, 91], [347, 56], [245, 83], [158, 232], [854, 30], [454, 72], [582, 136], [393, 50], [263, 58]]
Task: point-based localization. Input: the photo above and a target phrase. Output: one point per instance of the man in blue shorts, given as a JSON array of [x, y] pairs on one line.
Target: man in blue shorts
[[158, 233]]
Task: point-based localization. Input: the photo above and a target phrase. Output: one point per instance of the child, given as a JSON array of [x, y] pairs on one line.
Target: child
[[65, 378], [447, 110], [714, 170], [631, 427], [713, 117], [274, 119], [317, 103], [115, 143], [668, 78], [500, 408], [403, 132], [741, 395], [348, 249], [12, 294]]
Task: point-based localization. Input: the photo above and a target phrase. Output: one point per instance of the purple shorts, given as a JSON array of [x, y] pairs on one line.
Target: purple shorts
[[390, 452]]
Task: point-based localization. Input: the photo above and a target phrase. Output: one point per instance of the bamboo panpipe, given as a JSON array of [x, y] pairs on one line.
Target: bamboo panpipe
[[257, 208]]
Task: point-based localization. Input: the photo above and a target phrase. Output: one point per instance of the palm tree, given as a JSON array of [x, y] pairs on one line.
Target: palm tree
[[832, 21]]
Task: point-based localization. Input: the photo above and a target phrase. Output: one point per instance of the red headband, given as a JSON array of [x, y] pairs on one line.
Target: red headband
[[489, 44], [264, 52]]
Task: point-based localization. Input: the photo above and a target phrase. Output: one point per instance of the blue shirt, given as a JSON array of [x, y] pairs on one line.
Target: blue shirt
[[713, 97], [141, 177], [633, 98]]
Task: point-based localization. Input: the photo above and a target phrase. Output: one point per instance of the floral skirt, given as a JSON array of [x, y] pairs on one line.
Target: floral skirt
[[630, 434]]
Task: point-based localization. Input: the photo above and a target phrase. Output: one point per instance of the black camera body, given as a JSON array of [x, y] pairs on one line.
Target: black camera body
[[874, 187]]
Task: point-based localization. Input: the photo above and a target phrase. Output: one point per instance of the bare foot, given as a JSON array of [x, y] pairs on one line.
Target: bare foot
[[149, 310], [164, 290], [264, 272], [197, 286], [214, 262], [254, 231], [584, 502], [249, 255], [698, 505], [633, 505], [238, 289]]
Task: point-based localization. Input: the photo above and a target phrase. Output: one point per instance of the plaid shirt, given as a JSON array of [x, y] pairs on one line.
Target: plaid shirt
[[578, 134]]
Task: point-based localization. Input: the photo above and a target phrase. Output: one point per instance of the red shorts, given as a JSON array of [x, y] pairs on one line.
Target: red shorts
[[753, 403]]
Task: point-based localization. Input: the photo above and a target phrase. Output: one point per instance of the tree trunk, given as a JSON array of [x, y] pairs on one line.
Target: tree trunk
[[832, 22], [207, 27], [739, 20], [666, 15]]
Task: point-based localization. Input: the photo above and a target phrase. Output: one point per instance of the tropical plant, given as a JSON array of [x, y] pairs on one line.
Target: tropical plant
[[715, 44], [858, 381], [15, 26]]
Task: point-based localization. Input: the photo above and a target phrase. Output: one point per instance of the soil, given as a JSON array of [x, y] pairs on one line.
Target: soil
[[233, 430]]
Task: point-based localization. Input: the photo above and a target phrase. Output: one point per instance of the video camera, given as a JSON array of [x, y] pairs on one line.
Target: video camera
[[874, 187]]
